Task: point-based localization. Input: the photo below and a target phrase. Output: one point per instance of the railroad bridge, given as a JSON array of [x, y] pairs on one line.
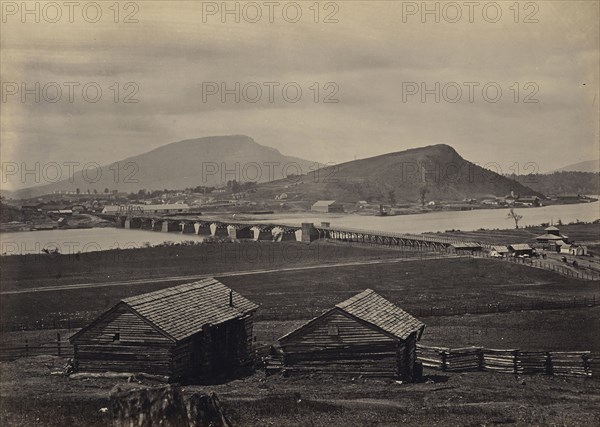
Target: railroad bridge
[[307, 232]]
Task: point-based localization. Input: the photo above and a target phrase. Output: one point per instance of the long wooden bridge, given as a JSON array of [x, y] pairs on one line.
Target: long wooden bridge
[[306, 232]]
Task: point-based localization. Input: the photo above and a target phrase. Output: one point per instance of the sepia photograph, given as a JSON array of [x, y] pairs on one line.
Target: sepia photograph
[[339, 213]]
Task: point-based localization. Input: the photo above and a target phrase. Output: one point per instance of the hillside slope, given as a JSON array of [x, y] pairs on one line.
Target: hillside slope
[[437, 170], [210, 161]]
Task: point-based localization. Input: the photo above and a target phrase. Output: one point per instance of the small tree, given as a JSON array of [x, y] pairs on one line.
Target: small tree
[[515, 217], [392, 196], [423, 193]]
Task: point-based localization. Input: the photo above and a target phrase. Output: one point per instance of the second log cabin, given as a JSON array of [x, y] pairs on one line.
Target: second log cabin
[[364, 335]]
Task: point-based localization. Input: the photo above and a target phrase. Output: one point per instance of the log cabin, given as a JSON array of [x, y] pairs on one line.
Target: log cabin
[[364, 335], [198, 330]]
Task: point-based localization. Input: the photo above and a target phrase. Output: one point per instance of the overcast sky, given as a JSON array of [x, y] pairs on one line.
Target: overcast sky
[[366, 61]]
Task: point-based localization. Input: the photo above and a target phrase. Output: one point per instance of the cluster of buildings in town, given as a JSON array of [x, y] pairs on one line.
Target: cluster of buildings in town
[[552, 240]]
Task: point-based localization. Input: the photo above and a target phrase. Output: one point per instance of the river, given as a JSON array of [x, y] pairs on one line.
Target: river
[[95, 239], [86, 240], [453, 220]]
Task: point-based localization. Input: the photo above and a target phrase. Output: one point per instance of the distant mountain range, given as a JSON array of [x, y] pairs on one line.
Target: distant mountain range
[[210, 161], [437, 171], [587, 166], [563, 183]]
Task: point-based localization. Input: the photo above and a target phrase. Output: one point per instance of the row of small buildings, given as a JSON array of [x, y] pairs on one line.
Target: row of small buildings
[[203, 330], [552, 240]]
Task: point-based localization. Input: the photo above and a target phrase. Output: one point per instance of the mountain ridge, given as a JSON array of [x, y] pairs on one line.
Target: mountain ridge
[[207, 161], [436, 170], [585, 166]]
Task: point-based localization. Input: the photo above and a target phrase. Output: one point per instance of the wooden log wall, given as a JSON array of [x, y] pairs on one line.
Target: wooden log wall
[[340, 344], [139, 347]]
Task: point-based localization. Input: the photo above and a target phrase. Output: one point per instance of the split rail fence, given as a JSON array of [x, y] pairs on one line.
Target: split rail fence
[[566, 363], [56, 348]]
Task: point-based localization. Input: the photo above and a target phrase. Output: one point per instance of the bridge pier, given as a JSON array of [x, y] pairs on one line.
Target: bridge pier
[[239, 232], [187, 227], [120, 221], [132, 222], [261, 233], [307, 232], [218, 230], [281, 234], [168, 226], [202, 228]]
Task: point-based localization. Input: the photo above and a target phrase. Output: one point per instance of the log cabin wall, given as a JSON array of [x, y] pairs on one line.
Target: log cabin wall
[[246, 336], [183, 362], [407, 356], [123, 342], [339, 343]]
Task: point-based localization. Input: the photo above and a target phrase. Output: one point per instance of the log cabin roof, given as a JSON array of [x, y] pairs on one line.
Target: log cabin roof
[[181, 311], [375, 309], [372, 309]]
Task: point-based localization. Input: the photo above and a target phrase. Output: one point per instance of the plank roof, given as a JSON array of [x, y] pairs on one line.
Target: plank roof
[[549, 236], [324, 203], [183, 310], [374, 310], [466, 245], [520, 247]]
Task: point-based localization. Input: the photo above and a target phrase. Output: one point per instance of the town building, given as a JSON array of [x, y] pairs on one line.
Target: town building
[[529, 201], [551, 238], [578, 250], [520, 249], [327, 206], [364, 335], [499, 251], [145, 209], [466, 247], [196, 330]]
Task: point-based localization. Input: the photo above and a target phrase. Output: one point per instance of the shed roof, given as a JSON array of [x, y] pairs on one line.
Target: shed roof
[[372, 308], [500, 249], [520, 247], [163, 206], [551, 228], [466, 245], [324, 203], [548, 237], [183, 310]]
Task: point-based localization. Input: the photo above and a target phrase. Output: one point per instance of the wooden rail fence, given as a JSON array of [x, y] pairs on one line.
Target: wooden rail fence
[[567, 363], [56, 348]]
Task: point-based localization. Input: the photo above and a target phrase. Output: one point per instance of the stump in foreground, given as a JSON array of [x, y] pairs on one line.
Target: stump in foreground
[[165, 406]]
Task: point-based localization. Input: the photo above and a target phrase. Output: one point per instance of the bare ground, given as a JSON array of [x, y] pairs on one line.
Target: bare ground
[[33, 397]]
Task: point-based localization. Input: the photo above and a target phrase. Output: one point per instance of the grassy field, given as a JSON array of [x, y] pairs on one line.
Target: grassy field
[[442, 399], [302, 294], [287, 299], [557, 330], [20, 272]]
